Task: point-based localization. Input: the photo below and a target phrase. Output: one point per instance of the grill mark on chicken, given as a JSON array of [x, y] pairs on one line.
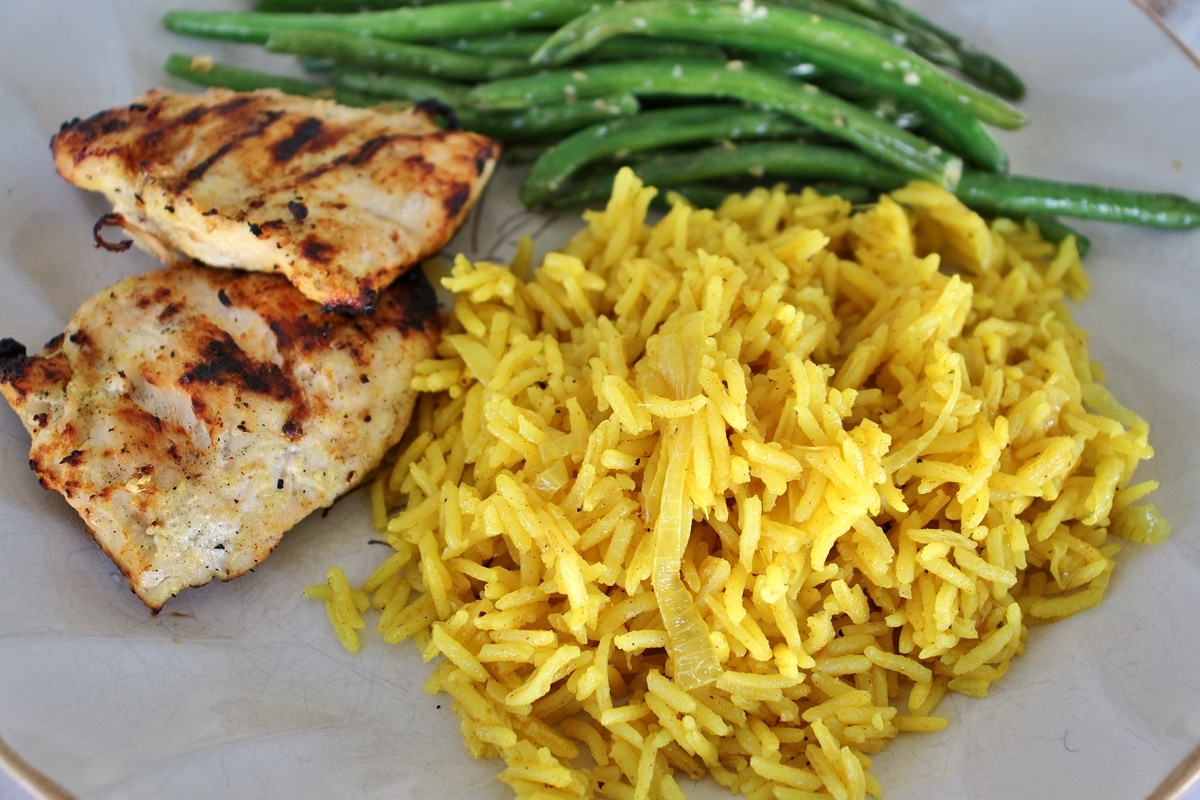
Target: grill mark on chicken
[[302, 334], [315, 250], [457, 198], [368, 295], [199, 407], [159, 295], [225, 362], [414, 303], [420, 165], [369, 150], [17, 368], [152, 139], [113, 126], [11, 351], [253, 132], [307, 131], [358, 157], [484, 158], [227, 108]]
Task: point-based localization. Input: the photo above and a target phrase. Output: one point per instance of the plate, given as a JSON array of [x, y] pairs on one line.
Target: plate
[[241, 690]]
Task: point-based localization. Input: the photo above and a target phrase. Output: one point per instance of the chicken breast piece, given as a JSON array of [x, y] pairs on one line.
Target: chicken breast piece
[[340, 200], [193, 415]]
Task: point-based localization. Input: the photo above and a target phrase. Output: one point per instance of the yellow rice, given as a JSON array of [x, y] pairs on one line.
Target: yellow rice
[[852, 455]]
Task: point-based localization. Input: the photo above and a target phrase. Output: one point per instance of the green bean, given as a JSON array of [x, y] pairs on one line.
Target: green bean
[[944, 125], [204, 72], [401, 24], [882, 105], [649, 130], [398, 87], [984, 69], [523, 44], [316, 64], [823, 111], [517, 125], [758, 159], [342, 6], [981, 67], [547, 121], [633, 48], [1024, 196], [507, 44], [368, 51], [795, 66], [921, 42], [887, 109], [523, 153], [337, 6], [991, 73], [958, 133], [774, 30], [964, 135]]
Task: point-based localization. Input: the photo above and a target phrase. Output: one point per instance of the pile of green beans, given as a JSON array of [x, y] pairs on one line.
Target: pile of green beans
[[704, 96]]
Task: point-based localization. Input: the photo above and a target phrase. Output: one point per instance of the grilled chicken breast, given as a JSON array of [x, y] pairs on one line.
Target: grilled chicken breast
[[192, 415], [340, 200]]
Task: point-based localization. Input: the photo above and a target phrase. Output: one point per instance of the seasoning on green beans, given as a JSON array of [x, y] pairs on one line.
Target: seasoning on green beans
[[649, 130], [825, 112], [921, 42], [401, 24], [391, 86], [335, 6], [533, 123], [964, 135], [547, 121], [773, 30], [984, 68], [523, 44], [369, 51]]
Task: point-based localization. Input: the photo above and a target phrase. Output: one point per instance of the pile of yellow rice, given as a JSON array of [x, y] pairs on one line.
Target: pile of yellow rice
[[744, 493]]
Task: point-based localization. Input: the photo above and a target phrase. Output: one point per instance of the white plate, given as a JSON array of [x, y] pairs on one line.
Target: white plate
[[240, 690]]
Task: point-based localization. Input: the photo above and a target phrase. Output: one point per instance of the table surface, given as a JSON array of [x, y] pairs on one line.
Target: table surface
[[1181, 18]]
